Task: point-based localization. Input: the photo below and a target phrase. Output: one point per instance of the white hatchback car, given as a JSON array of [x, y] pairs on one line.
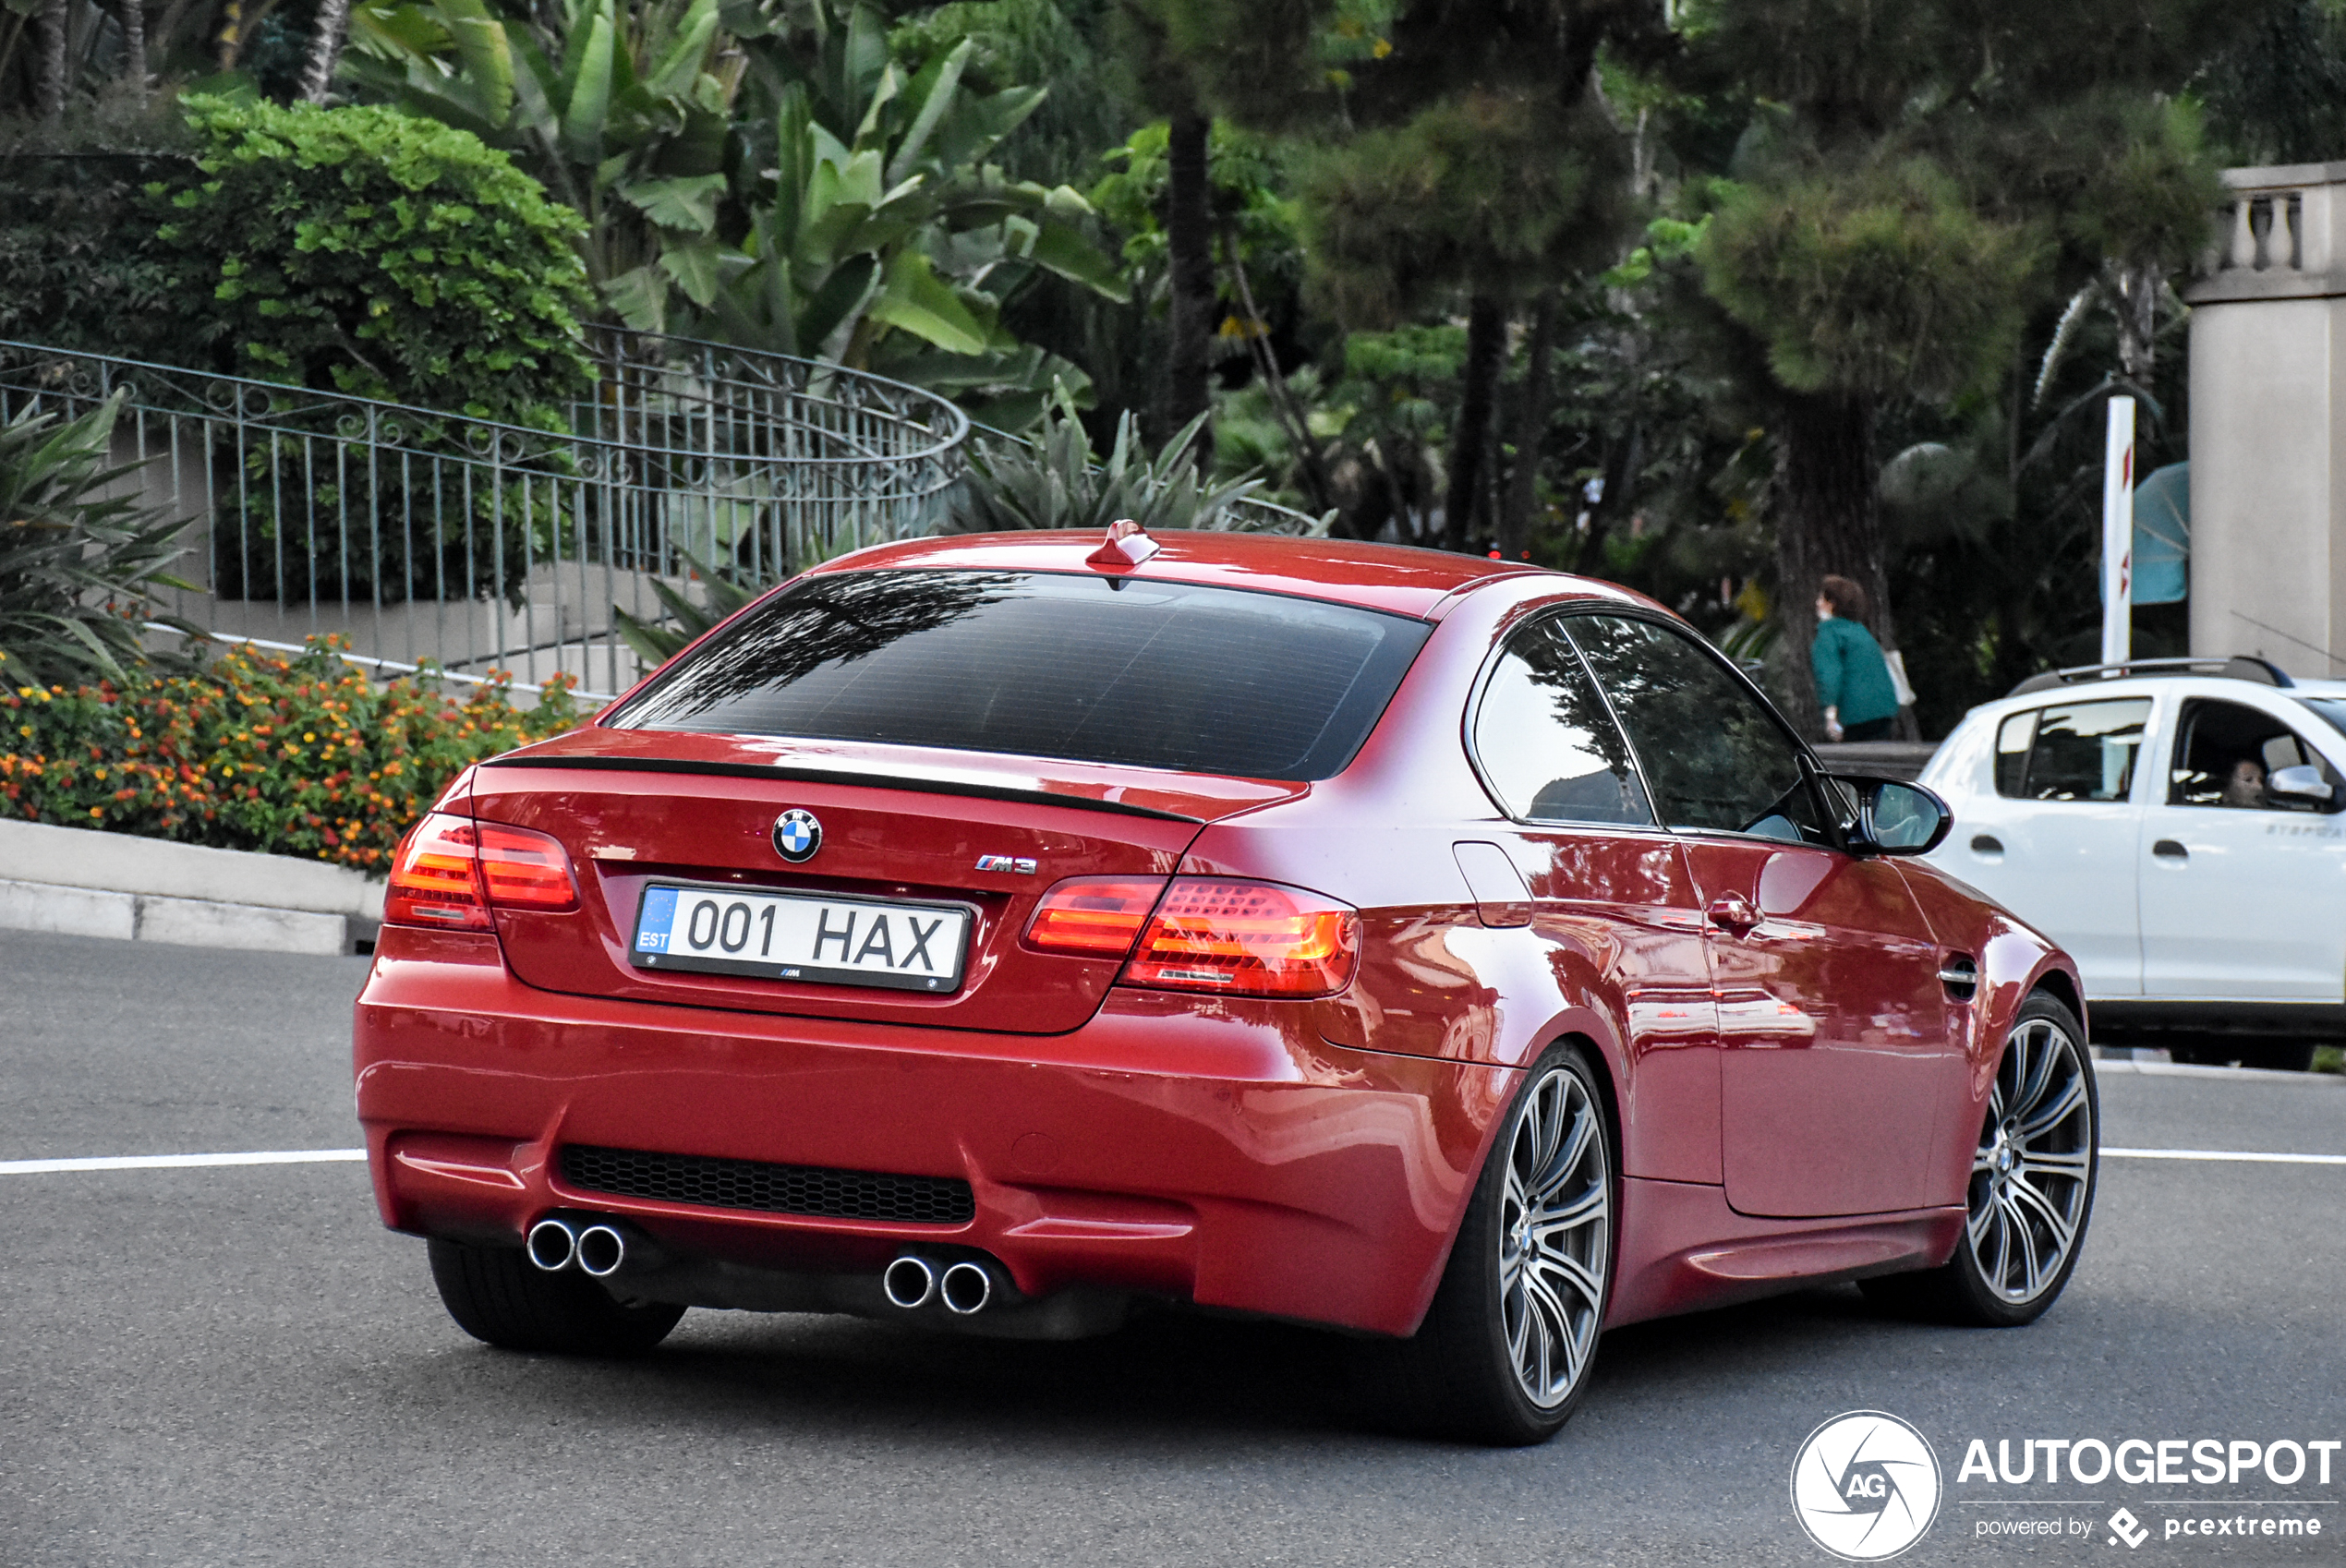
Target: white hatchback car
[[2175, 825]]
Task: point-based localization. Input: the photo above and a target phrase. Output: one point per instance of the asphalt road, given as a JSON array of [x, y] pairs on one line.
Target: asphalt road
[[236, 1365]]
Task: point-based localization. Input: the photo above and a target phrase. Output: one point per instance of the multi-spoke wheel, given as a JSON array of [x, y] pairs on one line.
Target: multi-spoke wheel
[[1556, 1237], [1505, 1349], [2032, 1181]]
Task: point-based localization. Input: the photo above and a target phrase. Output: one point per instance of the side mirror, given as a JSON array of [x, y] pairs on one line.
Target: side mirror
[[2304, 782], [1894, 816]]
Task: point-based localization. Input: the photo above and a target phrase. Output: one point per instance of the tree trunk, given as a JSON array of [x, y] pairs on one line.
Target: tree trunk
[[134, 48], [325, 49], [1486, 358], [1289, 414], [1831, 525], [1189, 235], [1530, 428], [49, 63], [232, 33]]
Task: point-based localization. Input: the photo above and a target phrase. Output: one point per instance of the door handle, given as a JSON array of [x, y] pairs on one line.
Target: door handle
[[1986, 844], [2167, 849], [1733, 912]]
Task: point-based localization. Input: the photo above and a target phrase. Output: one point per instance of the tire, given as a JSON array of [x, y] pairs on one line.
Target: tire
[[1506, 1351], [498, 1297], [2031, 1194]]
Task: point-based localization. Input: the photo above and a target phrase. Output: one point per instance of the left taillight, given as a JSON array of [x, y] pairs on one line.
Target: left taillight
[[450, 873], [1246, 938], [1093, 917]]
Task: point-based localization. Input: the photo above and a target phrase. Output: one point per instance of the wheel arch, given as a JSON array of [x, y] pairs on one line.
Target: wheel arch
[[2063, 986]]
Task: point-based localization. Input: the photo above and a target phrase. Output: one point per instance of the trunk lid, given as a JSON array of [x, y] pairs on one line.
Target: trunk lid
[[639, 809]]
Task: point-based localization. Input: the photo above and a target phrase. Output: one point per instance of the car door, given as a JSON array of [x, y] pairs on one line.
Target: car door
[[2242, 893], [2055, 841], [1611, 893], [1835, 1054]]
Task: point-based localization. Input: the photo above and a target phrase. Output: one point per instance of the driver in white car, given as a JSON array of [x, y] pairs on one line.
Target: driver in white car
[[2247, 786]]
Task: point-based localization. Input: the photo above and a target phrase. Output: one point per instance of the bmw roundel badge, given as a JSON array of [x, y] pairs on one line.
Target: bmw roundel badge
[[797, 835]]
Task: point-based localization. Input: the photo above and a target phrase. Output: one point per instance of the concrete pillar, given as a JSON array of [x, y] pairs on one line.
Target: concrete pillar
[[2268, 423]]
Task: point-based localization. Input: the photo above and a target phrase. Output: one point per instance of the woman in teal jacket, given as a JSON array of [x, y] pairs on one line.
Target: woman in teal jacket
[[1853, 679]]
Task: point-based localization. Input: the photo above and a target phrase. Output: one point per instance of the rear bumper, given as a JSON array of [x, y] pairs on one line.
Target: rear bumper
[[1236, 1160]]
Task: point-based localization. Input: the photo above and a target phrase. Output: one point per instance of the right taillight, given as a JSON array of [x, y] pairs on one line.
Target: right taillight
[[1098, 917], [449, 872], [1246, 938]]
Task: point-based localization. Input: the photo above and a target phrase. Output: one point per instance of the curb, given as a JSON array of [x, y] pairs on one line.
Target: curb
[[194, 922], [2104, 1065], [79, 882]]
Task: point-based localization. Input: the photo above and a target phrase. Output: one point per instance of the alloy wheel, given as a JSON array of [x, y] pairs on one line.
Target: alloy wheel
[[1555, 1244], [2031, 1175]]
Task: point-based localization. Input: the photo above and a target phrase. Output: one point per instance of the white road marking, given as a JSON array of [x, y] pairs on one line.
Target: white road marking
[[2247, 1156], [174, 1162]]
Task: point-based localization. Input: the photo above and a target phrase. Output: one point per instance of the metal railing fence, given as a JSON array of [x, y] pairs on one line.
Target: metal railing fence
[[425, 535]]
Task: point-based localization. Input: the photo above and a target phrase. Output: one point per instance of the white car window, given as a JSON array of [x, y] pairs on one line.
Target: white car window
[[2225, 751], [2071, 751], [2330, 708]]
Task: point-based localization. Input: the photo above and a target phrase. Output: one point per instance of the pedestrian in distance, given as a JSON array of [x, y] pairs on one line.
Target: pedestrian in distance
[[1854, 685]]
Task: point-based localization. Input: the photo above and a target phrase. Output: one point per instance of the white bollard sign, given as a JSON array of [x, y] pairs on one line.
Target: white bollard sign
[[2118, 534]]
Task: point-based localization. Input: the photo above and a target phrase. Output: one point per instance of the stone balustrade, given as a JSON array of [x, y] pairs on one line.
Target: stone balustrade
[[2280, 234]]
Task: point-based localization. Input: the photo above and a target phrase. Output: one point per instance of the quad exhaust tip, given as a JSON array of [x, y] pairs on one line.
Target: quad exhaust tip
[[598, 1250], [966, 1289], [910, 1281], [553, 1245], [914, 1282]]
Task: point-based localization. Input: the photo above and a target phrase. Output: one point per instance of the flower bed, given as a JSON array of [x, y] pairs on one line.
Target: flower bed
[[292, 755]]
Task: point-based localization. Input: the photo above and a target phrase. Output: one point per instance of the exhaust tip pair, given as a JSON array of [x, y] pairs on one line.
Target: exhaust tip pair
[[596, 1250], [913, 1282]]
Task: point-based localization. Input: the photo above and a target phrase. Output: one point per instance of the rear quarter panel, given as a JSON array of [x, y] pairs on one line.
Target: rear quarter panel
[[1435, 980]]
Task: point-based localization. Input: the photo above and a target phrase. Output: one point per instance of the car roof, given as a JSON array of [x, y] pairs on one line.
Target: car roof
[[1398, 579], [2191, 683]]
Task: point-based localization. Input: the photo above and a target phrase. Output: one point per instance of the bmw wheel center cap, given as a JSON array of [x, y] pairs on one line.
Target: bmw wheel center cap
[[797, 835]]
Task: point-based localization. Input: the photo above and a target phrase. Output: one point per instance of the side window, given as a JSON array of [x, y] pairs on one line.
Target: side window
[[1716, 759], [2226, 752], [2071, 751], [1547, 746], [2013, 739]]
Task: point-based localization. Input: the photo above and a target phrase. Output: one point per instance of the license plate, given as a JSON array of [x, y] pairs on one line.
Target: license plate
[[800, 936]]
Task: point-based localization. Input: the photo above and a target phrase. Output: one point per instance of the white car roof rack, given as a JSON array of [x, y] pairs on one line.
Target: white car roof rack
[[2240, 666]]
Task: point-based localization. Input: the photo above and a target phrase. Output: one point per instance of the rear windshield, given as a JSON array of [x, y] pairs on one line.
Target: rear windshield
[[1086, 668]]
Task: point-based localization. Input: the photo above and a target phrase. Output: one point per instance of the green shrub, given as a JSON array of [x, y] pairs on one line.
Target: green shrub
[[80, 267], [76, 571], [363, 251], [293, 757]]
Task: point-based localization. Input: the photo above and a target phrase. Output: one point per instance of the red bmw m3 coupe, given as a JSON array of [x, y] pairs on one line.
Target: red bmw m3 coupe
[[998, 932]]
